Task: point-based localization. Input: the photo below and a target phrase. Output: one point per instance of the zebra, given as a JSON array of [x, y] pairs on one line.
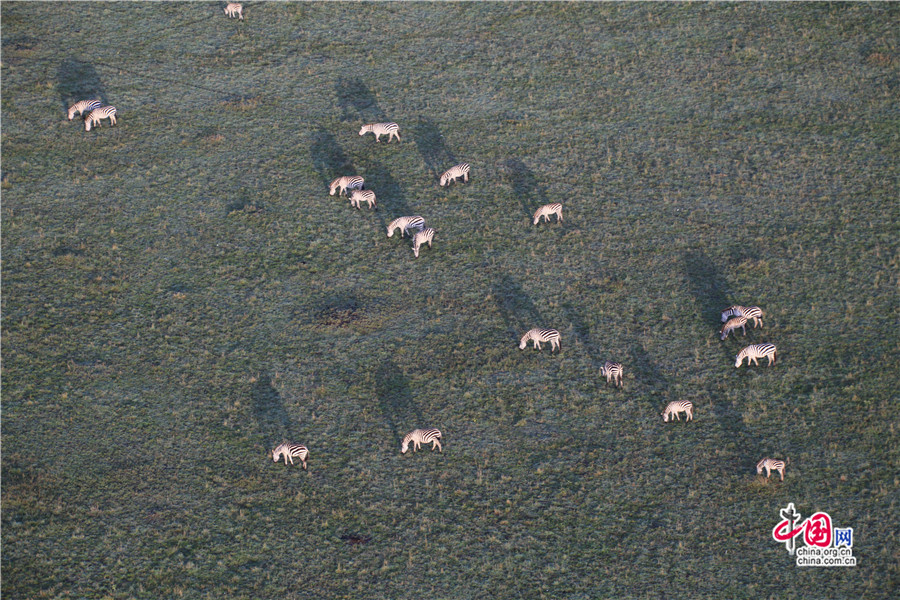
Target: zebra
[[422, 237], [538, 335], [770, 464], [751, 353], [679, 406], [422, 436], [234, 10], [547, 210], [94, 117], [379, 129], [613, 371], [733, 324], [404, 224], [751, 312], [367, 196], [454, 173], [348, 182], [290, 452], [82, 107]]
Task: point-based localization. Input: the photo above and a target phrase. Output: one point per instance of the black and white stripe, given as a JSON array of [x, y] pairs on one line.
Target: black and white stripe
[[404, 224], [233, 9], [751, 353], [422, 237], [419, 437], [379, 129], [367, 196], [104, 112], [538, 335], [750, 312], [83, 107], [613, 371], [290, 452], [679, 406], [347, 182], [547, 210], [732, 324], [454, 173], [770, 464]]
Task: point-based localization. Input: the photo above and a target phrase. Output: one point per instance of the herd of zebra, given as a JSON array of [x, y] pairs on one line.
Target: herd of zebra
[[353, 186]]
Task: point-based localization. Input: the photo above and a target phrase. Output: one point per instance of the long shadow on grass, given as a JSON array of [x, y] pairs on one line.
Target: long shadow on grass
[[357, 102], [431, 146], [518, 311], [328, 158], [268, 410], [77, 80], [525, 186], [710, 293], [396, 400]]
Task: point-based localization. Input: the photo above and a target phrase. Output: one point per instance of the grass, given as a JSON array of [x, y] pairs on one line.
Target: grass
[[181, 294]]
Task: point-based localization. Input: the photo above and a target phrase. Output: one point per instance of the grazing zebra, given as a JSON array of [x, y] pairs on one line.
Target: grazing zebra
[[379, 129], [613, 371], [454, 173], [547, 210], [422, 237], [419, 437], [367, 196], [751, 312], [235, 10], [404, 224], [348, 182], [290, 452], [678, 406], [94, 117], [770, 464], [538, 335], [751, 353], [733, 324], [83, 107]]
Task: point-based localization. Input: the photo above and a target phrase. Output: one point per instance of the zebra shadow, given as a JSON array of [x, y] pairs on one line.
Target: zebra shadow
[[328, 158], [709, 289], [430, 144], [268, 409], [77, 80], [645, 371], [395, 400], [516, 308], [524, 185], [357, 102], [389, 195]]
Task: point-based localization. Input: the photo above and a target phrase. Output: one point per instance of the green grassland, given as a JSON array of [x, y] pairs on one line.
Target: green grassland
[[180, 294]]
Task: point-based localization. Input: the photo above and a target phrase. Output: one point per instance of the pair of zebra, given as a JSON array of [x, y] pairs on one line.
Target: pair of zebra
[[93, 112], [423, 235], [613, 371], [737, 316], [417, 437], [352, 187], [392, 130]]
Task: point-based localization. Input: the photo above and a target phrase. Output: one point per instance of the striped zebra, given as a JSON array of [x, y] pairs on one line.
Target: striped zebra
[[83, 107], [234, 10], [613, 371], [379, 129], [367, 196], [404, 224], [547, 210], [422, 237], [94, 117], [770, 464], [751, 312], [732, 324], [751, 353], [538, 335], [454, 173], [419, 437], [679, 406], [290, 452], [347, 182]]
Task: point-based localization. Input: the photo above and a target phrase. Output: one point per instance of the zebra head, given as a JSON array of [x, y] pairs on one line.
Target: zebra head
[[759, 466], [524, 341], [444, 179], [404, 447], [665, 416], [739, 360], [363, 130]]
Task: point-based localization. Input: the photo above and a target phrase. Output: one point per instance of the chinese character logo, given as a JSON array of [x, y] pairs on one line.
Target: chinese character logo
[[826, 546]]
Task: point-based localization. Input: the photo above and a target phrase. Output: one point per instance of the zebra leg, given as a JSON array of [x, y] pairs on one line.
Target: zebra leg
[[290, 457], [537, 344], [466, 177], [112, 119], [304, 465]]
